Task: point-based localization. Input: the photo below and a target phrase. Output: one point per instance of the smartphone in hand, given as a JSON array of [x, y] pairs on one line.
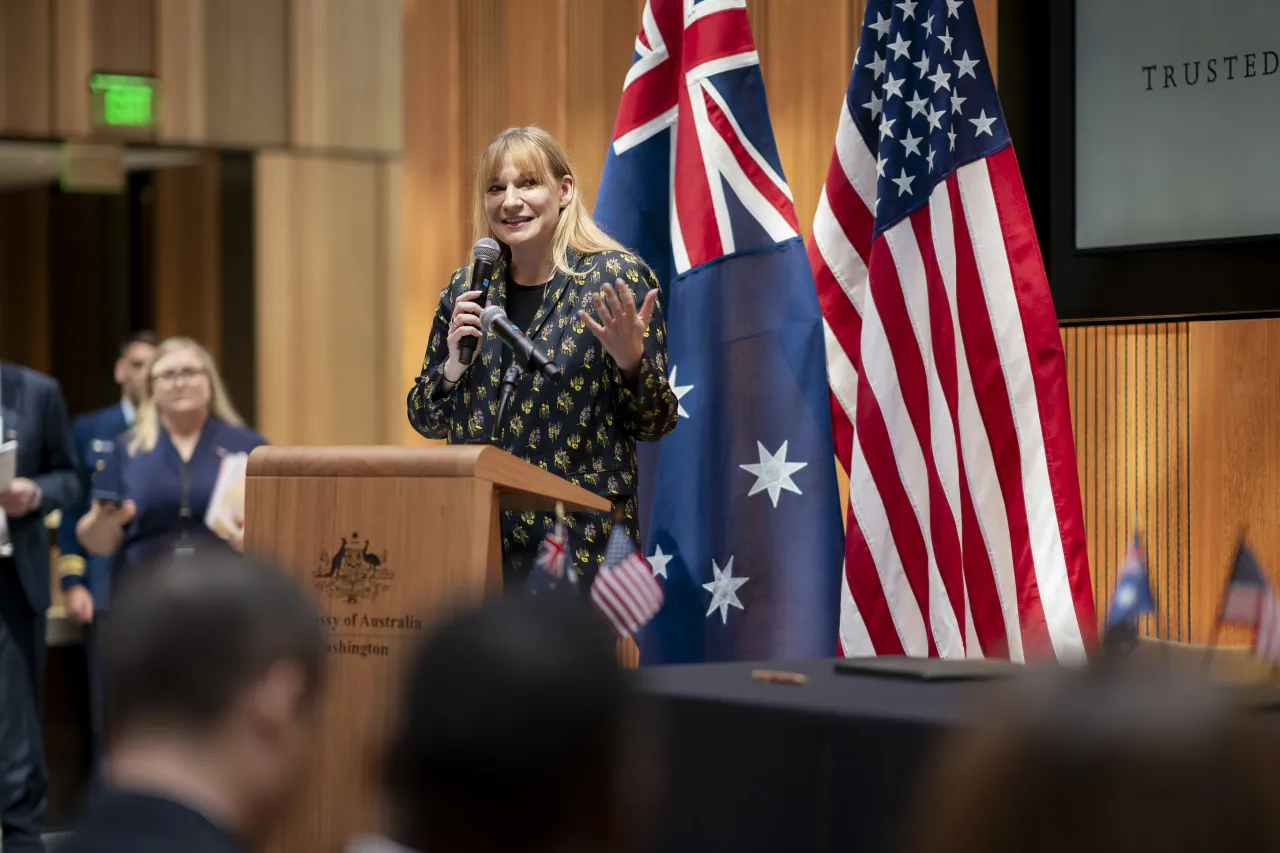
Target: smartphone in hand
[[107, 485]]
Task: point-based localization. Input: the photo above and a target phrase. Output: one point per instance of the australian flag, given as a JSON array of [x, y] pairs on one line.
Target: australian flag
[[1132, 599], [739, 505]]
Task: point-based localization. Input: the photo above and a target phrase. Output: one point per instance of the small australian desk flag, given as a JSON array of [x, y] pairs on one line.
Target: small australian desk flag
[[1133, 592]]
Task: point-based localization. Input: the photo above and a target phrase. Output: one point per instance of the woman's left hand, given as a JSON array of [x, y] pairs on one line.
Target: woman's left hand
[[621, 327]]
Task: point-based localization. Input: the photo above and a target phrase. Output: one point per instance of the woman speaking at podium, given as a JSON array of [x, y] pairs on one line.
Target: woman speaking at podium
[[584, 301]]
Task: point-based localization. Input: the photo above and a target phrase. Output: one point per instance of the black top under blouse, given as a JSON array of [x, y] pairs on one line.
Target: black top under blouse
[[522, 306]]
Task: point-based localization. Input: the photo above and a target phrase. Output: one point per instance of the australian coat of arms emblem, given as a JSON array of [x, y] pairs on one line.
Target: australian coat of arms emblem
[[353, 572]]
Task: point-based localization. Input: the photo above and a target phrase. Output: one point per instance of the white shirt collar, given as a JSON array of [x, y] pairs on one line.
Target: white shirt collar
[[129, 409]]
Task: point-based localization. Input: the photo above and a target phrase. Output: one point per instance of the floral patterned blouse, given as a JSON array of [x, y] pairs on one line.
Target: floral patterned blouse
[[582, 426]]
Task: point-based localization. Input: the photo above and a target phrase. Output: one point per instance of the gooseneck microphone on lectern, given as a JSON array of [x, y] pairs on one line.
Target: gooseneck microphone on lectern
[[526, 354], [485, 252]]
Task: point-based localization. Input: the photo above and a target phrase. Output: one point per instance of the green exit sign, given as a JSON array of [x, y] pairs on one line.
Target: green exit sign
[[123, 101]]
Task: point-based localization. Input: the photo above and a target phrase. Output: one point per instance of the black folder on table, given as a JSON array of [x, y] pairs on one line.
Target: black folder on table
[[930, 669]]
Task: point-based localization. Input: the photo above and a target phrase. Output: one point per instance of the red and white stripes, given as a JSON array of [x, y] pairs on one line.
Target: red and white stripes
[[965, 533]]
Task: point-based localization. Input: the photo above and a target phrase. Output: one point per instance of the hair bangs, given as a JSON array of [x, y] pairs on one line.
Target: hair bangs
[[526, 156]]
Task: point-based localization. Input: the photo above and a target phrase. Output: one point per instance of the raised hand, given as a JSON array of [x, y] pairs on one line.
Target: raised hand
[[621, 327]]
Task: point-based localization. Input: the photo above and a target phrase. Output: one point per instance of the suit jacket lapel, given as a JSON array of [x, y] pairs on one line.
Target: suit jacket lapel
[[551, 303]]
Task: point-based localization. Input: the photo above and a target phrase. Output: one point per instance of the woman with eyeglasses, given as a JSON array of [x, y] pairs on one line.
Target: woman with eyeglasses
[[167, 465]]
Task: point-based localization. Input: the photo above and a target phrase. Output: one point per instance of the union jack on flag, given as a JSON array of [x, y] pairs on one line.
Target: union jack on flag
[[739, 506], [551, 571], [551, 558], [948, 383]]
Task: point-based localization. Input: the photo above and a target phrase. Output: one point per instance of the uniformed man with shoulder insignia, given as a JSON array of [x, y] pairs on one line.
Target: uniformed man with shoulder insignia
[[85, 578]]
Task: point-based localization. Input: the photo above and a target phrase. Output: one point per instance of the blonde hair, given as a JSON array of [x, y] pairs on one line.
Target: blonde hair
[[537, 153], [146, 428]]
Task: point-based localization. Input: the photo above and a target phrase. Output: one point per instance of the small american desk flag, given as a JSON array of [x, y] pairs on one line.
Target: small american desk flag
[[625, 591], [1251, 600], [965, 534]]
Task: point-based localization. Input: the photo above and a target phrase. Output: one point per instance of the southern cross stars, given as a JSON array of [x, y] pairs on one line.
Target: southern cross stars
[[724, 590], [773, 473]]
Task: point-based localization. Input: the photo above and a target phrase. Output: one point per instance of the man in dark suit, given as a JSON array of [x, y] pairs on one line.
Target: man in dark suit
[[86, 579], [34, 416], [212, 671]]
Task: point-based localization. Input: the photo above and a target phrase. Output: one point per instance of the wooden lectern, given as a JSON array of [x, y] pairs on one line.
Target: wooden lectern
[[389, 540]]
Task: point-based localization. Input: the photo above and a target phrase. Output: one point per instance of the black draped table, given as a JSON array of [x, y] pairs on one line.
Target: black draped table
[[829, 765], [832, 765]]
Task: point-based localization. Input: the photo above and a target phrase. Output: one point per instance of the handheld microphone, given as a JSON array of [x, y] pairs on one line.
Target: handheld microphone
[[486, 253], [527, 355]]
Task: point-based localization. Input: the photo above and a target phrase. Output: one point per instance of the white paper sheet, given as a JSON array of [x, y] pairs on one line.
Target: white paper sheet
[[225, 516]]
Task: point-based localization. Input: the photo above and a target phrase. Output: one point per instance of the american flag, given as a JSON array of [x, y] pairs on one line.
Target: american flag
[[1251, 600], [740, 504], [625, 591], [965, 535]]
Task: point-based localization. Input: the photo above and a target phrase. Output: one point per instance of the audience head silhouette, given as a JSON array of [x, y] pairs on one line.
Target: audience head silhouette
[[1116, 760], [212, 667], [517, 729]]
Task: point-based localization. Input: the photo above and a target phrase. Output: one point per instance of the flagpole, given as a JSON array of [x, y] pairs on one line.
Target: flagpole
[[1217, 621]]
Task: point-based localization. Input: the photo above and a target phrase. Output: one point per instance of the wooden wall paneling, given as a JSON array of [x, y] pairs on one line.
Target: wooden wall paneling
[[246, 72], [483, 84], [321, 301], [391, 375], [538, 47], [435, 182], [279, 332], [346, 76], [25, 68], [180, 65], [1128, 387], [806, 63], [336, 217], [124, 36], [188, 294], [1235, 452], [72, 58], [24, 278], [988, 21], [603, 36]]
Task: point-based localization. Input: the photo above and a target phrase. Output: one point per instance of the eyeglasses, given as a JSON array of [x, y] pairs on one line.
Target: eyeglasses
[[171, 377]]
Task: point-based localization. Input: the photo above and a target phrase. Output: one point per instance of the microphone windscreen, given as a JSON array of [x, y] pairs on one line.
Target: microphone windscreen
[[489, 315], [486, 249]]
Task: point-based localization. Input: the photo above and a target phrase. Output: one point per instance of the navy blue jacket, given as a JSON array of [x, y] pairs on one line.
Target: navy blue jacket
[[35, 414], [95, 438], [154, 480]]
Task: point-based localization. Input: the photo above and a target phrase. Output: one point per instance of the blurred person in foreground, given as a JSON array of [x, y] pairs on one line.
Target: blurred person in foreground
[[86, 579], [35, 430], [517, 732], [1123, 759], [212, 669], [165, 468]]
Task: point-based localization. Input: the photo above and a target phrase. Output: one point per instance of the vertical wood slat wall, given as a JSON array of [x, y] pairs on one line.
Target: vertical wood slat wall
[[1131, 419], [1177, 430]]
